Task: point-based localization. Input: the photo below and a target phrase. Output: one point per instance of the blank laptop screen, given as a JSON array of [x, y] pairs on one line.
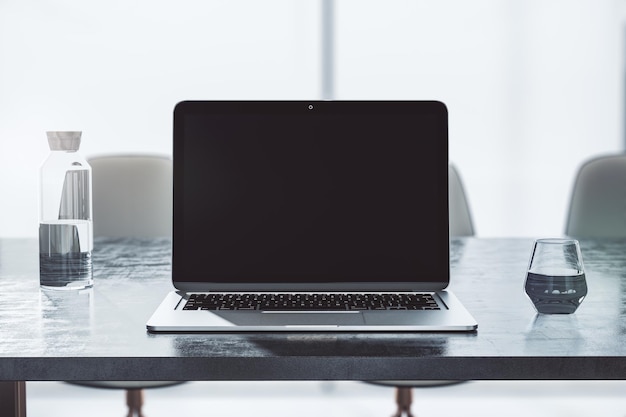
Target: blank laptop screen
[[310, 192]]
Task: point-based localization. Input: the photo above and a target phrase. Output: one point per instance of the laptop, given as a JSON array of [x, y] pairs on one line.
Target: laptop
[[310, 216]]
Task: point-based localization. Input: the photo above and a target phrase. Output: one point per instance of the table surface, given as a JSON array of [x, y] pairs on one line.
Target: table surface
[[100, 334]]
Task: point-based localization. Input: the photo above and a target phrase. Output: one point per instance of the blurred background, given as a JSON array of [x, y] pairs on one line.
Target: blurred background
[[533, 87]]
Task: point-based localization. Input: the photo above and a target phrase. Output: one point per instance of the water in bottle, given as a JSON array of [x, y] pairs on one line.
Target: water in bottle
[[65, 216]]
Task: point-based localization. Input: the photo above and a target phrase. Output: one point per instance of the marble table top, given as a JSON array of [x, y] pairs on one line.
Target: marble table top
[[100, 334]]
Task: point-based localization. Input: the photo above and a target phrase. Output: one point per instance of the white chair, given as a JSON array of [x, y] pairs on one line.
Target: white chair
[[460, 223], [460, 216], [598, 202], [132, 197]]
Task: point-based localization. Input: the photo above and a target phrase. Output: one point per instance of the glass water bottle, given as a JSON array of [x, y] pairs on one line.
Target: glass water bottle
[[65, 215]]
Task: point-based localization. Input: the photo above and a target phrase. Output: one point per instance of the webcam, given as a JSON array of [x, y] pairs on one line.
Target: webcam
[[310, 107]]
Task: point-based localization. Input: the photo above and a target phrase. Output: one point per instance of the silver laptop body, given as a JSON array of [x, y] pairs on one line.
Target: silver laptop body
[[310, 199]]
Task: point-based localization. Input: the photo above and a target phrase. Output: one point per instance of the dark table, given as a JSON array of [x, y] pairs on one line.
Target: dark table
[[100, 334]]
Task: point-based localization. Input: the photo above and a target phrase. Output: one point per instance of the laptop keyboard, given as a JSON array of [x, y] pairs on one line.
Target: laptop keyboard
[[311, 302]]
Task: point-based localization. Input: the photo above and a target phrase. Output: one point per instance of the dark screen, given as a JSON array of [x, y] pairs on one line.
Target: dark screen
[[276, 192]]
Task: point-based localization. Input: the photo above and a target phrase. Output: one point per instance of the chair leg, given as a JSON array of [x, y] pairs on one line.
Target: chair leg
[[134, 400], [404, 398]]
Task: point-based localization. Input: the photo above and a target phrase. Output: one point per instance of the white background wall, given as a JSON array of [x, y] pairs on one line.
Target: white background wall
[[533, 87]]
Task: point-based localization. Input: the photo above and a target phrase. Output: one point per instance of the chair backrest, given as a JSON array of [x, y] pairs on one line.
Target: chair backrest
[[132, 195], [460, 215], [598, 202]]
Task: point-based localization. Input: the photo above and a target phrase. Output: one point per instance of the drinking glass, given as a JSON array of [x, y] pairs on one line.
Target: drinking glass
[[555, 281]]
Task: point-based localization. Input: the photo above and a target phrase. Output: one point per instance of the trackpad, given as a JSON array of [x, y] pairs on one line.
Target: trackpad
[[311, 319]]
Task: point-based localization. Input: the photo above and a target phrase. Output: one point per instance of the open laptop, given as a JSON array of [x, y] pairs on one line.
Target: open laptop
[[310, 216]]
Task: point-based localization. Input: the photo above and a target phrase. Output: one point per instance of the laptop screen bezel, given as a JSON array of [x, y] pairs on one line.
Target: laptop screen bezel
[[432, 108]]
